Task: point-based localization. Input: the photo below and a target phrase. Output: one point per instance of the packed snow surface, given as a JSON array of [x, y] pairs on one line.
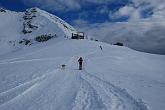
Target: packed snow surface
[[115, 78]]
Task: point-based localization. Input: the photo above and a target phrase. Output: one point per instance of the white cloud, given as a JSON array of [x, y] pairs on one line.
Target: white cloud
[[99, 1], [154, 3], [126, 11], [159, 13], [52, 5], [145, 36], [63, 5], [80, 23], [102, 10], [158, 7], [134, 10]]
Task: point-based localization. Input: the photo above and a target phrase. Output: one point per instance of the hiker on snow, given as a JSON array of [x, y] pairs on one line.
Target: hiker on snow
[[101, 47], [80, 63]]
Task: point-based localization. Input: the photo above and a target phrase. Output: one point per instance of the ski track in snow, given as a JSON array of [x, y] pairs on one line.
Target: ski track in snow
[[97, 94], [112, 97], [87, 98], [13, 93], [93, 93], [20, 57], [22, 61]]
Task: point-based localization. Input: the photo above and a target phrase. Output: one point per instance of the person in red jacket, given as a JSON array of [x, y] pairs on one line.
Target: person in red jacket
[[80, 63]]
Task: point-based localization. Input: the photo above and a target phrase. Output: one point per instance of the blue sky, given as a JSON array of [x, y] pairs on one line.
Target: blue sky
[[84, 11], [89, 13]]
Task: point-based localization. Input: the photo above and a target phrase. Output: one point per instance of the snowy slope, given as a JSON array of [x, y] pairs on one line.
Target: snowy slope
[[115, 78], [20, 29]]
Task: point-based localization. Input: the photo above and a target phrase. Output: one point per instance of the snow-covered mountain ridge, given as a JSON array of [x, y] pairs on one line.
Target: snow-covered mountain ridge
[[20, 29]]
